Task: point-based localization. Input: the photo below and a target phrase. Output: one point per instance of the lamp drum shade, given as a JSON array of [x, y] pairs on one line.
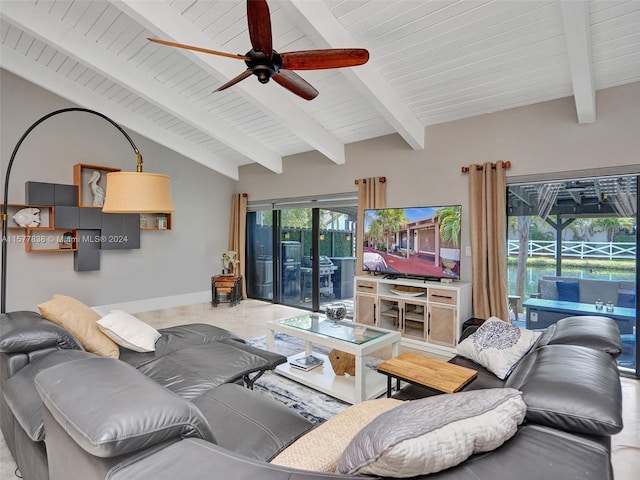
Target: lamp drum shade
[[138, 192]]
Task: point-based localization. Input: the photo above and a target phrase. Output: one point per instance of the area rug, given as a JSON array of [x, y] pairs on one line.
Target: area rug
[[313, 405]]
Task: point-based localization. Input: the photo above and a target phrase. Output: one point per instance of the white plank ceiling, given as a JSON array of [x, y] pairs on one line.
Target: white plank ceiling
[[430, 62]]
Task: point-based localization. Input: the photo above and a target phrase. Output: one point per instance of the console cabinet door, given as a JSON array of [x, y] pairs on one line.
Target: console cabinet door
[[414, 320], [366, 309], [442, 325]]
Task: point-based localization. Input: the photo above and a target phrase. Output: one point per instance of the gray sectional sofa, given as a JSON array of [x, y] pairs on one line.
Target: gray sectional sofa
[[70, 415]]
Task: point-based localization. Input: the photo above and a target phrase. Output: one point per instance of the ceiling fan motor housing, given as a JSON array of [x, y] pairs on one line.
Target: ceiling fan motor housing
[[262, 66]]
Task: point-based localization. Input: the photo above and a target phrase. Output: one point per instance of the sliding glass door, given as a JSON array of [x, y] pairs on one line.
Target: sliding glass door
[[302, 256], [572, 249]]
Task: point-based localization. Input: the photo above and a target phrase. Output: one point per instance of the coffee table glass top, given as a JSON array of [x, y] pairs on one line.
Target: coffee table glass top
[[342, 330]]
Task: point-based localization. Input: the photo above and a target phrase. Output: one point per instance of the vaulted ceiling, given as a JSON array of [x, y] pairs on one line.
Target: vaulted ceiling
[[430, 62]]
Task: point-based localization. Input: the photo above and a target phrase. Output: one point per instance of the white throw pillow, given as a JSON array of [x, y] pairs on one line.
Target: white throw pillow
[[428, 435], [129, 332], [497, 346]]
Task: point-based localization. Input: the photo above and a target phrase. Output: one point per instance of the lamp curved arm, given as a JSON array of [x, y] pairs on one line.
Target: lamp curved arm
[[8, 174]]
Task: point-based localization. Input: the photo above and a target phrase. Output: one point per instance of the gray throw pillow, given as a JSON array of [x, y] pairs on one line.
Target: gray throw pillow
[[431, 434]]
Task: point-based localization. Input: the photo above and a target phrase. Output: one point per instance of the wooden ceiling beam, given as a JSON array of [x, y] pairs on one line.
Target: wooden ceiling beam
[[575, 18], [318, 23], [58, 84]]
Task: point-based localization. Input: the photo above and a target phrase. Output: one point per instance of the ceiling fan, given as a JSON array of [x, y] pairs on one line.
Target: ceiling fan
[[265, 63]]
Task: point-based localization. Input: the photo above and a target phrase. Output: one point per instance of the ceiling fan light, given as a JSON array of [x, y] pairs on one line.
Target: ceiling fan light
[[138, 192]]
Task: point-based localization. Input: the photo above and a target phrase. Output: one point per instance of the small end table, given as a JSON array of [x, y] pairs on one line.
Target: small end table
[[228, 285], [410, 367]]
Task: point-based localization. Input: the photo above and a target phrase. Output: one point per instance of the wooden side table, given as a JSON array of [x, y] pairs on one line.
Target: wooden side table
[[442, 376], [229, 286]]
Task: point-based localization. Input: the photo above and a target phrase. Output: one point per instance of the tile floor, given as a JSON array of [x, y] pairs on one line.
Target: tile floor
[[248, 320]]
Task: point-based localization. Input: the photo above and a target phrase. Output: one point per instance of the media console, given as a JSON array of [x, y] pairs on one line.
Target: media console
[[428, 314]]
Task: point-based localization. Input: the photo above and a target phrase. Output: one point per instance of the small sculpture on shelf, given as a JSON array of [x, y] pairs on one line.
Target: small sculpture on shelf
[[96, 190], [229, 262], [27, 217]]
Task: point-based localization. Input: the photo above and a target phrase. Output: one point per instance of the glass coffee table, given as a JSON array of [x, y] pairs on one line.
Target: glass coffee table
[[350, 337]]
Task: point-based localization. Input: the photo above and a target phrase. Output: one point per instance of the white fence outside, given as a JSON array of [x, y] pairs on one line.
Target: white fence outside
[[582, 250]]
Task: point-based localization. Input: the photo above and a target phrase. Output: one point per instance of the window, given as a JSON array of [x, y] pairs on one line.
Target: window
[[572, 251]]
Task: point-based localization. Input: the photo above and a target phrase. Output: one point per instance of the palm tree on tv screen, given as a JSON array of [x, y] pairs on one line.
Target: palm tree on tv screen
[[450, 224], [388, 221]]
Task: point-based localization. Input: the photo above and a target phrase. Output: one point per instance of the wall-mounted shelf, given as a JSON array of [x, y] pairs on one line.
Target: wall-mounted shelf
[[82, 173], [46, 215], [51, 240], [154, 221]]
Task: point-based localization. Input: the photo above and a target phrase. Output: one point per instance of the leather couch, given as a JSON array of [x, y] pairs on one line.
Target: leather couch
[[105, 418]]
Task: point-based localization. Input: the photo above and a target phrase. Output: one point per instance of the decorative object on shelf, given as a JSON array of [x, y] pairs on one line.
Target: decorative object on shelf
[[342, 362], [28, 217], [67, 241], [265, 63], [407, 290], [96, 190], [336, 312], [229, 262], [127, 192], [161, 222]]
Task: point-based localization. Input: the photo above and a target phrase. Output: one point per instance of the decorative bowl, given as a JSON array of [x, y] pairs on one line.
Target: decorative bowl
[[336, 312]]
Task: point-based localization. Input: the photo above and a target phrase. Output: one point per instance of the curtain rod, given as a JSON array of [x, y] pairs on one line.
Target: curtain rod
[[479, 168], [380, 179]]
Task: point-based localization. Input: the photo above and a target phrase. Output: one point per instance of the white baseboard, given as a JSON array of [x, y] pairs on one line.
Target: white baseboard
[[159, 303]]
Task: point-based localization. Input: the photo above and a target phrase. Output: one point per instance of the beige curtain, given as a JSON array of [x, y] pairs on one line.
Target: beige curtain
[[372, 193], [487, 197], [237, 235]]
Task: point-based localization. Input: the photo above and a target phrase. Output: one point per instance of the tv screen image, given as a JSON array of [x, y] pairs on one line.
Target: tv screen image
[[413, 242]]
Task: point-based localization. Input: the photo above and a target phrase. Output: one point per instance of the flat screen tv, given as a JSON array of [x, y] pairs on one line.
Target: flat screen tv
[[416, 242]]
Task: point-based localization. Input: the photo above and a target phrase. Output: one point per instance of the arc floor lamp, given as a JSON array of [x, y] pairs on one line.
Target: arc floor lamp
[[126, 192]]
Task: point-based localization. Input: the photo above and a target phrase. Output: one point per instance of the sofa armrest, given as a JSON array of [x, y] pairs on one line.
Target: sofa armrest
[[193, 459], [121, 412]]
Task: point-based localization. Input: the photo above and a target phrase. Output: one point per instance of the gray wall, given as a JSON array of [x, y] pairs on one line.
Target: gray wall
[[169, 263], [537, 139]]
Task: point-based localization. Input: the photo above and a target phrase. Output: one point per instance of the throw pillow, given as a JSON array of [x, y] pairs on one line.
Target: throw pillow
[[320, 449], [129, 332], [568, 291], [428, 435], [626, 298], [497, 346], [548, 289], [79, 320]]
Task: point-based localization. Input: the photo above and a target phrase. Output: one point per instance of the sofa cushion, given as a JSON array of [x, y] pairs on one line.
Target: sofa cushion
[[176, 338], [626, 298], [568, 291], [333, 436], [22, 397], [548, 289], [572, 388], [124, 411], [601, 333], [429, 435], [497, 346], [80, 321], [27, 331], [592, 290], [191, 371], [248, 423], [129, 332]]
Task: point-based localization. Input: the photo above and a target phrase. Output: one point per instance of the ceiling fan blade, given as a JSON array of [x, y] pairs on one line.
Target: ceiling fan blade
[[233, 81], [328, 58], [260, 26], [197, 49], [296, 84]]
